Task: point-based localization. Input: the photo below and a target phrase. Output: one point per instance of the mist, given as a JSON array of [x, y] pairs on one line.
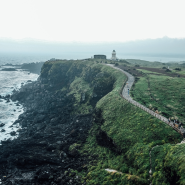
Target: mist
[[161, 47]]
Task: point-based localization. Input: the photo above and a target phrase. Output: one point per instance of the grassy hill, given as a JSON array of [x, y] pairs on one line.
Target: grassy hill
[[162, 93], [123, 135]]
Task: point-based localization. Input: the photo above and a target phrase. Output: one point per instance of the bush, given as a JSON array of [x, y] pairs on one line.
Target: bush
[[167, 70], [177, 69], [116, 64], [124, 61]]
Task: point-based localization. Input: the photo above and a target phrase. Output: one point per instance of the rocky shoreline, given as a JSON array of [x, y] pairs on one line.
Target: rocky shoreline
[[58, 115], [47, 145]]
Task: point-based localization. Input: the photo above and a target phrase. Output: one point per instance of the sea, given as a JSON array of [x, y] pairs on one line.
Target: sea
[[9, 81], [12, 80]]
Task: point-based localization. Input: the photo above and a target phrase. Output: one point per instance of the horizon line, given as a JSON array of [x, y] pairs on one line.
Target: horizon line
[[22, 40]]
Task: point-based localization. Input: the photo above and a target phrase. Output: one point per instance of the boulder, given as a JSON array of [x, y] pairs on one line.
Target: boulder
[[2, 124]]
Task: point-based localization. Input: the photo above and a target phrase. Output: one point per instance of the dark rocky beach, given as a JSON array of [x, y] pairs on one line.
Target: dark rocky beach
[[46, 150]]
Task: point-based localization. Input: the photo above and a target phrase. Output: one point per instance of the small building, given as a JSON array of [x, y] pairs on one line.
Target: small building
[[114, 55], [52, 60], [100, 57]]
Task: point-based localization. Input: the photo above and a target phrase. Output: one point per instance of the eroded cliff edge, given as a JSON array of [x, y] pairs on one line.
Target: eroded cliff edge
[[58, 115], [76, 125]]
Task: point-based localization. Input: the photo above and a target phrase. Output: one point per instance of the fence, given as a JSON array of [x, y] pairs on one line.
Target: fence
[[127, 97]]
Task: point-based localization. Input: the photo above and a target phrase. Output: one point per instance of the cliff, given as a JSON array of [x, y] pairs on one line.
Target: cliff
[[76, 124], [58, 116]]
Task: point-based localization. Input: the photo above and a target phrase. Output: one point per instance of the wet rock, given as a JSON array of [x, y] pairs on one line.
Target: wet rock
[[13, 133], [59, 142], [2, 124], [43, 142], [51, 147], [44, 176], [39, 118], [7, 101], [48, 131], [53, 120]]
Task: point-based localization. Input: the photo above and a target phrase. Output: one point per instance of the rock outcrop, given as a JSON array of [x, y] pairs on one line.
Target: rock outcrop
[[47, 147]]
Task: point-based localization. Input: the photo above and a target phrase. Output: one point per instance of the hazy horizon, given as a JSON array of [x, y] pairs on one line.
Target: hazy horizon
[[157, 48], [79, 29], [92, 21]]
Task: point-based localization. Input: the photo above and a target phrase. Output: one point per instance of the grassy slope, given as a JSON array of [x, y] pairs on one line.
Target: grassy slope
[[170, 92], [133, 131], [167, 92], [144, 63]]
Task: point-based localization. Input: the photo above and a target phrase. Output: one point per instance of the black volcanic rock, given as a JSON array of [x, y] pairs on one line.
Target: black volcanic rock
[[47, 146], [2, 124], [48, 130]]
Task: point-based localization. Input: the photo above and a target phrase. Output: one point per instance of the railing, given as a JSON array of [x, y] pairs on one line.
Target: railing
[[127, 97]]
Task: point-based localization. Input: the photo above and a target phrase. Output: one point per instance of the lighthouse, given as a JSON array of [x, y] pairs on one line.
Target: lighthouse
[[113, 55]]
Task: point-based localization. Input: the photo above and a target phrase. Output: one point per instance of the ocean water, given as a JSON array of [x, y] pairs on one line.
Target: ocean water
[[18, 58], [9, 111]]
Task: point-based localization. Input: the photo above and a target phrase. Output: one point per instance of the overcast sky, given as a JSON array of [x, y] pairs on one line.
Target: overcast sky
[[91, 20]]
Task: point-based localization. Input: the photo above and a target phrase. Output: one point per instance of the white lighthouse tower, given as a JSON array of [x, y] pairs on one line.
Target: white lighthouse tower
[[113, 55]]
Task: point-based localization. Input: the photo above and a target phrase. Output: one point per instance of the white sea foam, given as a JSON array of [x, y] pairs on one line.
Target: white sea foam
[[9, 111]]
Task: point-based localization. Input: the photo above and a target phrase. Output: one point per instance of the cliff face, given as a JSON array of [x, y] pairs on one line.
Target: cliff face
[[76, 124], [58, 116], [85, 81]]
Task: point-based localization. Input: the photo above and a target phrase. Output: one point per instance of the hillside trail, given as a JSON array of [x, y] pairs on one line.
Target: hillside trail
[[126, 96]]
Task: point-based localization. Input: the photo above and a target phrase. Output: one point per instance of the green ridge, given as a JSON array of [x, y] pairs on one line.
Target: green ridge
[[133, 132]]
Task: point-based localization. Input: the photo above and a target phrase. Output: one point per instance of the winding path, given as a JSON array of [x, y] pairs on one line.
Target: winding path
[[126, 95]]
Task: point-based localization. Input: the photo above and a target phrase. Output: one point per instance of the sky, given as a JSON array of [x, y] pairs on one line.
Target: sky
[[91, 20]]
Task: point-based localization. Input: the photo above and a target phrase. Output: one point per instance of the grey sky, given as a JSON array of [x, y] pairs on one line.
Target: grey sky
[[149, 46], [91, 20]]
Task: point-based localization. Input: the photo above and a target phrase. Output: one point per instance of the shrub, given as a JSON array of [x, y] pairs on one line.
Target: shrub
[[167, 70], [177, 69]]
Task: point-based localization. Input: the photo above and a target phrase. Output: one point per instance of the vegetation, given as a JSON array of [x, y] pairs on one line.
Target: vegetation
[[178, 69], [162, 93], [123, 135]]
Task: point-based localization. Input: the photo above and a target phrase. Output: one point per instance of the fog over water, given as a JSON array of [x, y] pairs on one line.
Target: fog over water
[[24, 51]]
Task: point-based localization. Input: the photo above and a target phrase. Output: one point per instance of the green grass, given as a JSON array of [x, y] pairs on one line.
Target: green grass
[[167, 95], [155, 64], [179, 72], [133, 131], [146, 71]]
